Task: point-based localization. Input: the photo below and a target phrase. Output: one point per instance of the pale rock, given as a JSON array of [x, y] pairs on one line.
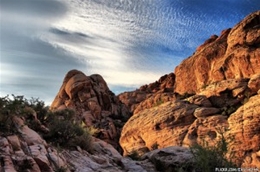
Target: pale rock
[[55, 158], [30, 136], [103, 159], [39, 154], [254, 83], [218, 87], [4, 146], [200, 100], [8, 165], [169, 158], [15, 143], [202, 112]]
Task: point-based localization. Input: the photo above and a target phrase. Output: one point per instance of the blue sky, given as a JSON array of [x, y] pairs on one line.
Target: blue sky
[[128, 42]]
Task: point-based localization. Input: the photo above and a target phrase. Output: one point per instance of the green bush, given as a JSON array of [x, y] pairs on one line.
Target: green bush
[[66, 131], [134, 155], [64, 127], [208, 158], [19, 106]]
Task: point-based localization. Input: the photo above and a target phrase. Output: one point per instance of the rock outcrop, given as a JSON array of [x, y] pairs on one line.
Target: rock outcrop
[[244, 129], [234, 54], [150, 95], [223, 77], [94, 103], [199, 119], [18, 154]]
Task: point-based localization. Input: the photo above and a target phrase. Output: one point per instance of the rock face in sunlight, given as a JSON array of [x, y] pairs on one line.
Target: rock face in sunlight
[[150, 95], [92, 100], [234, 54], [215, 94]]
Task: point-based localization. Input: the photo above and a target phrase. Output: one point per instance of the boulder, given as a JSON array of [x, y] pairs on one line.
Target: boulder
[[157, 127], [170, 158]]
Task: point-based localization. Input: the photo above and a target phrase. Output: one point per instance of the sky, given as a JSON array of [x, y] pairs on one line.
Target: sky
[[129, 42]]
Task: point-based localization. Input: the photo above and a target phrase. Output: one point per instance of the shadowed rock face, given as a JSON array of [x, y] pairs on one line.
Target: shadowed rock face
[[234, 54], [94, 103]]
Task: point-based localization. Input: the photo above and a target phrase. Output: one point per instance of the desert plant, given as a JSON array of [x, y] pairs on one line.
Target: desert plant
[[8, 108], [66, 131], [159, 102], [208, 158], [92, 130], [19, 106], [134, 155], [155, 146], [60, 169]]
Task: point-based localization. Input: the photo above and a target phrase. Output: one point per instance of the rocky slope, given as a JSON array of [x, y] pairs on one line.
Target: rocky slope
[[26, 151], [223, 77]]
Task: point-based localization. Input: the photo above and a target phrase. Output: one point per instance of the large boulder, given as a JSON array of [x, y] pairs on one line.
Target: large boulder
[[94, 103], [157, 127]]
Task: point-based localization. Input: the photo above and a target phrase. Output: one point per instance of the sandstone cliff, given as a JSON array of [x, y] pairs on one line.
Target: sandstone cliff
[[223, 78], [234, 54]]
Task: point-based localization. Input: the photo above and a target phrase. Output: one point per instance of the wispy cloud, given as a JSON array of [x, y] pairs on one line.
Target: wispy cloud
[[128, 42]]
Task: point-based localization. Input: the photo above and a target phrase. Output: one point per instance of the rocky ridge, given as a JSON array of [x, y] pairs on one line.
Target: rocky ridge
[[215, 94]]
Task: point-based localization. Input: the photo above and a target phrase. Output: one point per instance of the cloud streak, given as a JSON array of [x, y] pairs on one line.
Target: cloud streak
[[128, 42]]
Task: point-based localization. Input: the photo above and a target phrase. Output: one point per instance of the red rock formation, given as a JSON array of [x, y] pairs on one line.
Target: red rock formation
[[224, 75], [94, 103], [235, 54], [150, 95]]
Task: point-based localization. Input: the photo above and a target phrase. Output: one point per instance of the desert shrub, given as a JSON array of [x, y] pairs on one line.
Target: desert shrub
[[158, 102], [8, 108], [208, 158], [19, 106], [60, 169], [39, 107], [92, 130], [63, 125], [134, 155], [26, 165], [66, 131], [185, 95], [155, 146]]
